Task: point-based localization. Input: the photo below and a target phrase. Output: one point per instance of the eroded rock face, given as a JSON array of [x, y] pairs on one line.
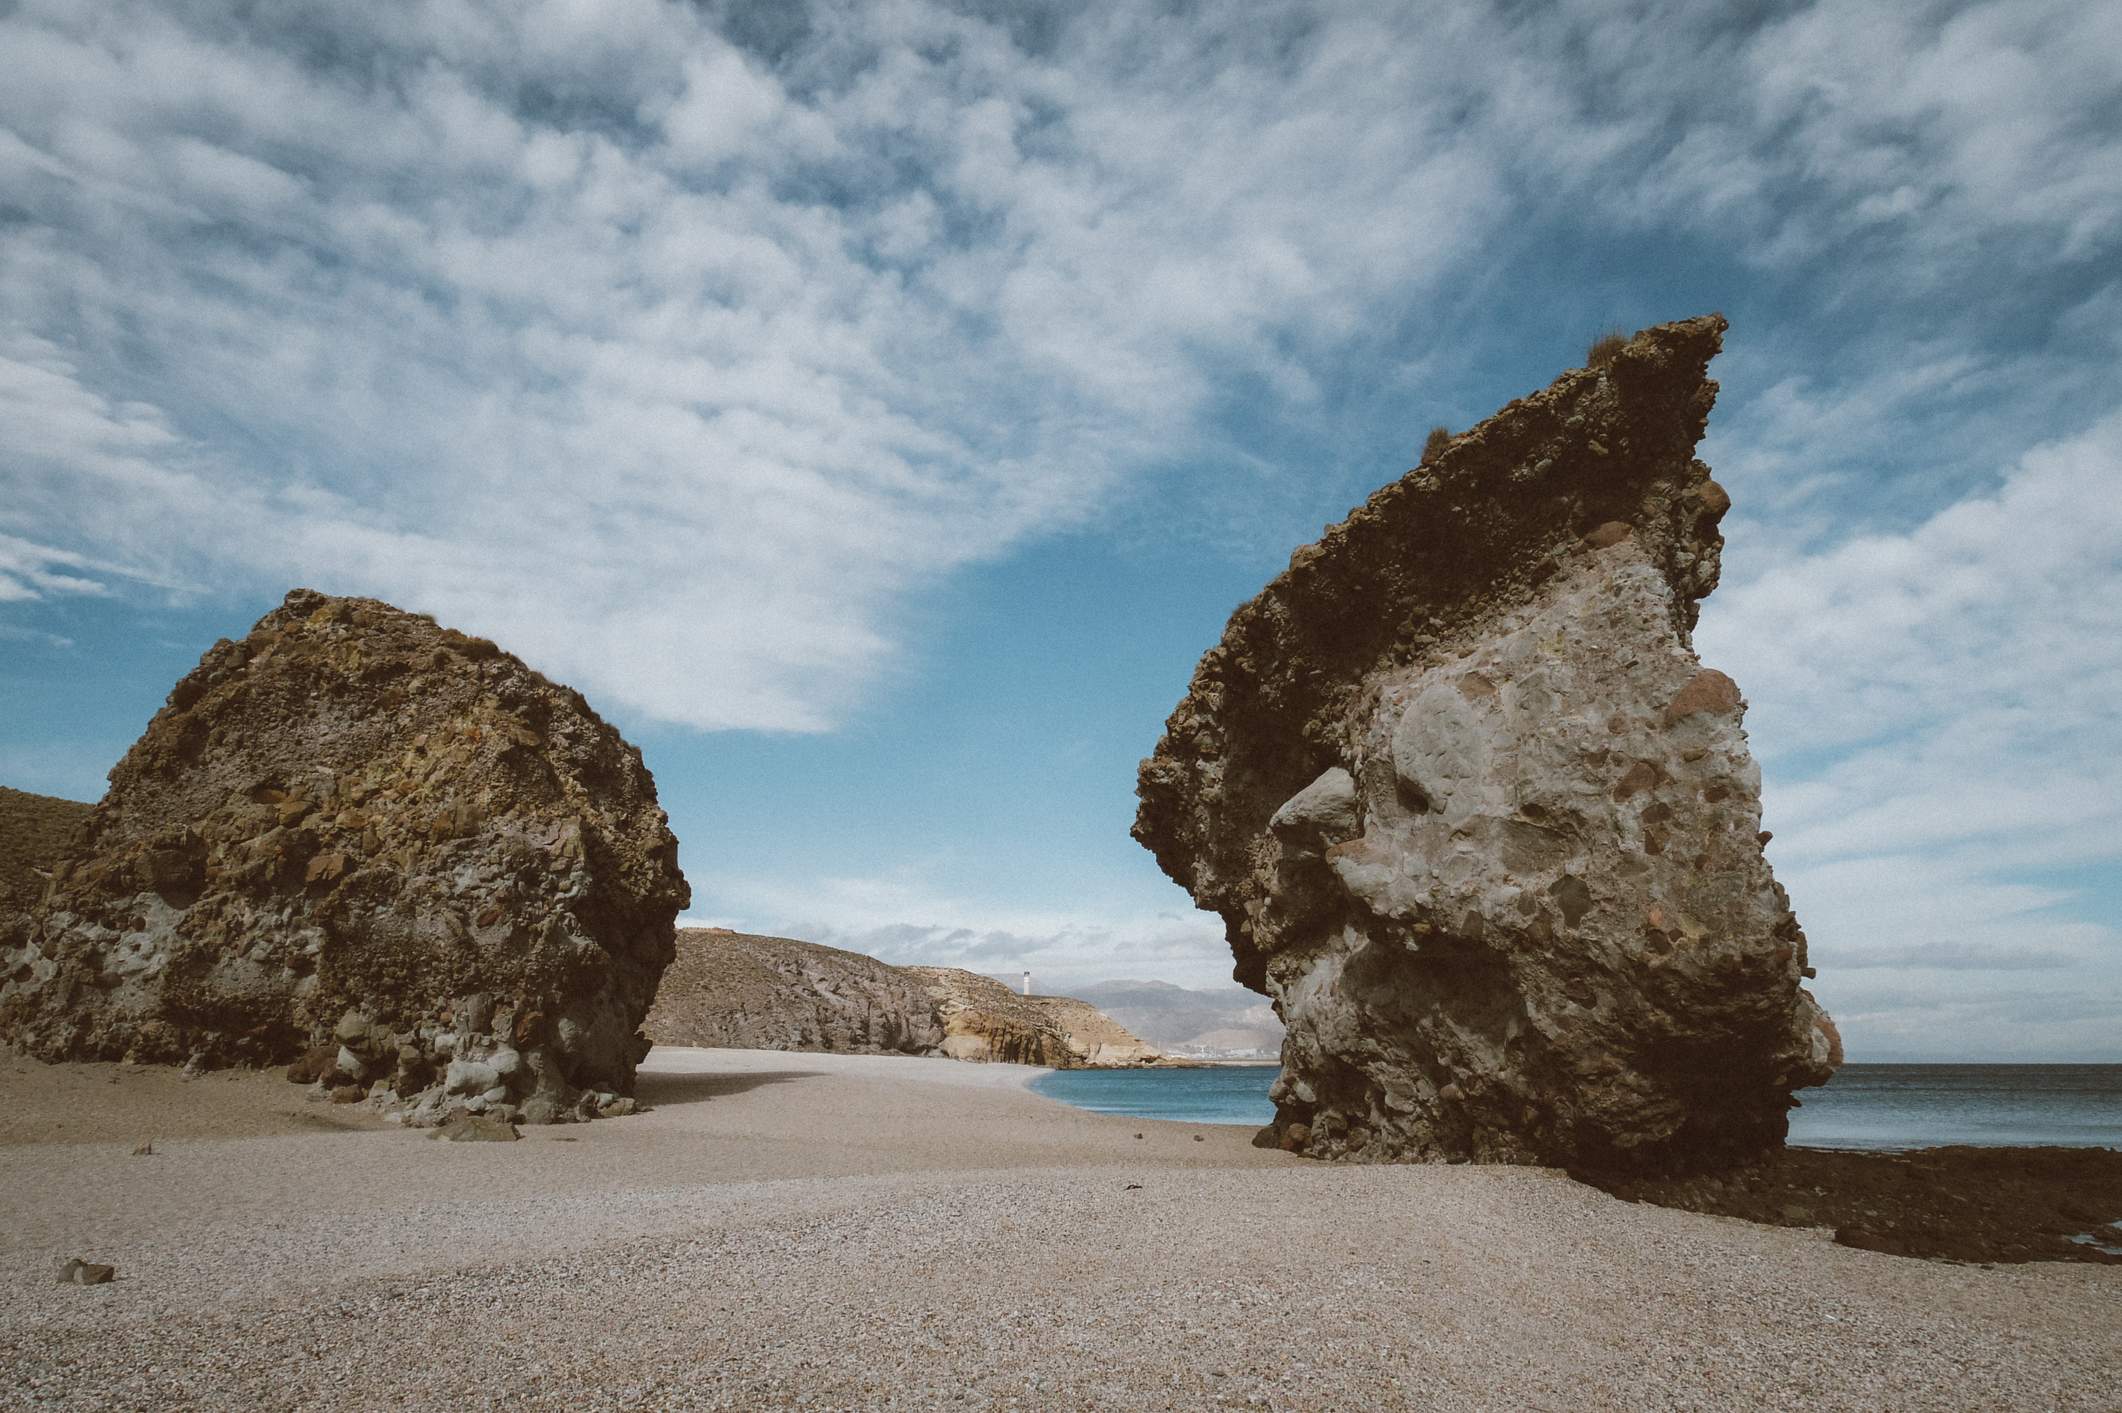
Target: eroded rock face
[[983, 1020], [1481, 823], [774, 993], [375, 846], [1094, 1039]]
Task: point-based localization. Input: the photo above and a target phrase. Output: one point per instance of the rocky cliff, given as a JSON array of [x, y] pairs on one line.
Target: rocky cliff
[[1480, 822], [773, 993], [378, 845], [1094, 1038], [35, 831], [984, 1020]]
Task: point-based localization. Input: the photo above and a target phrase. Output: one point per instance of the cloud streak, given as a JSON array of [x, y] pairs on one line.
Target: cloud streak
[[680, 363], [674, 371], [1938, 713]]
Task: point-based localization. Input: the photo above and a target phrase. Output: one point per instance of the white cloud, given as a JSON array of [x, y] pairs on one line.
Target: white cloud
[[678, 370], [1061, 948], [1939, 714], [671, 373]]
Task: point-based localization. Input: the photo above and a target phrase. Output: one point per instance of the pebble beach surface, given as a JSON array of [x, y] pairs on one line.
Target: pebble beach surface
[[829, 1231]]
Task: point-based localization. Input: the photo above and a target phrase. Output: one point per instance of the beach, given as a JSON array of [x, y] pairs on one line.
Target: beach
[[832, 1231]]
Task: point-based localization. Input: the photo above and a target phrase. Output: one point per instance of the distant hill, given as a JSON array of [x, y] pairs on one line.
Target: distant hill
[[743, 992], [774, 993], [1224, 1022], [34, 831], [988, 1020]]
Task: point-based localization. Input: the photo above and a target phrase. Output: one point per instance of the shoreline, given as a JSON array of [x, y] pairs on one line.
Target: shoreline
[[879, 1232]]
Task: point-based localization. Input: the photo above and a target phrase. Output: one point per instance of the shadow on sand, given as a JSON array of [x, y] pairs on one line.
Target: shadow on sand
[[656, 1090]]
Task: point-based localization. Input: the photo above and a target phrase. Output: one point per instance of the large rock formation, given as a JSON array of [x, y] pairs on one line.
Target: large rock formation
[[35, 832], [773, 993], [373, 843], [1482, 824], [984, 1020]]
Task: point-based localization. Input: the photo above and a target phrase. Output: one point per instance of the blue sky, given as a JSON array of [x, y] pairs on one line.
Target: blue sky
[[877, 409]]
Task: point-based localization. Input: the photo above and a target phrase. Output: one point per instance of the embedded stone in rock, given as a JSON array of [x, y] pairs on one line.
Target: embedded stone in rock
[[476, 1128], [374, 847], [1480, 822]]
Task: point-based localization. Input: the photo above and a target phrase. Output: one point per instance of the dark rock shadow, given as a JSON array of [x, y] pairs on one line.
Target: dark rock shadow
[[1945, 1204], [657, 1090]]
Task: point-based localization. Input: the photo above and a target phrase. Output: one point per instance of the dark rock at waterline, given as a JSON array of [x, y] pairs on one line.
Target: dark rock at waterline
[[1956, 1204]]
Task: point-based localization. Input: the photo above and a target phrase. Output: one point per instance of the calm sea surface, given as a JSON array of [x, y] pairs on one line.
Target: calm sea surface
[[1864, 1106]]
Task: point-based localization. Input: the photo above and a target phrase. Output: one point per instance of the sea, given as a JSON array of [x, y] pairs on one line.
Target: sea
[[1863, 1106]]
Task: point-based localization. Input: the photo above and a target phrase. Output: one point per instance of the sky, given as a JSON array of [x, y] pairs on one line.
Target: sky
[[877, 409]]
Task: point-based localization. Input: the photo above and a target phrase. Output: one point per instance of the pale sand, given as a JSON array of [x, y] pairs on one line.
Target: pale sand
[[868, 1232]]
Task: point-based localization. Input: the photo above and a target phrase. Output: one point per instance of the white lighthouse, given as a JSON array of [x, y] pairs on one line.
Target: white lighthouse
[[1027, 983]]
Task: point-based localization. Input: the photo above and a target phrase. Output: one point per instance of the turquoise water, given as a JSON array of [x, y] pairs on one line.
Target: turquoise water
[[1222, 1094], [1864, 1106]]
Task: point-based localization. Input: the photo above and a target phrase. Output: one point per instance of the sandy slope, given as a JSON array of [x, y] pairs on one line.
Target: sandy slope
[[872, 1231]]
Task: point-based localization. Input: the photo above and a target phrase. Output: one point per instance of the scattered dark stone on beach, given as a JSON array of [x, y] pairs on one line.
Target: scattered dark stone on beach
[[477, 1128], [1954, 1204], [80, 1272]]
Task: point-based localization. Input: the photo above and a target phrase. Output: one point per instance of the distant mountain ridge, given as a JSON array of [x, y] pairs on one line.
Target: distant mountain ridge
[[1225, 1022]]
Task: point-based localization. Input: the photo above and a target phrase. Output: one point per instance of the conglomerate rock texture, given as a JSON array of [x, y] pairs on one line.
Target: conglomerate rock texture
[[746, 992], [375, 846], [1480, 822]]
